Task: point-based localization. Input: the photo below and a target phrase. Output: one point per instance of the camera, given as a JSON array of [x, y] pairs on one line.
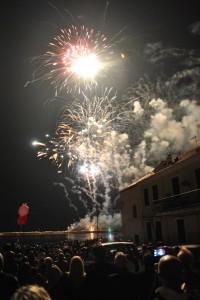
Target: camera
[[159, 252]]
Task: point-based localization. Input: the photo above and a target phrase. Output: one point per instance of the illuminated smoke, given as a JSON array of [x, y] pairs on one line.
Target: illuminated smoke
[[105, 221], [195, 28], [166, 134]]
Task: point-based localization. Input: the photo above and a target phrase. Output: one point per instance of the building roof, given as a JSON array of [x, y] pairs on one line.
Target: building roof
[[163, 165]]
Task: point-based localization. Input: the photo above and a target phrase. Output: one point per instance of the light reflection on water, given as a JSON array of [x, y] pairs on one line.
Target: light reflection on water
[[91, 236]]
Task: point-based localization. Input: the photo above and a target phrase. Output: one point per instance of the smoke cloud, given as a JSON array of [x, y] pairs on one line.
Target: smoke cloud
[[195, 28], [162, 112]]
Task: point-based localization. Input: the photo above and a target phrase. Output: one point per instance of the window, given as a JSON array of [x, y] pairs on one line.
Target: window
[[159, 231], [146, 197], [197, 175], [175, 185], [137, 238], [155, 192], [149, 231], [134, 211], [181, 230]]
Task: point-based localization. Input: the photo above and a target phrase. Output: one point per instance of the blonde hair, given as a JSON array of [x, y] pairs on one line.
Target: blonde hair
[[186, 257], [76, 268], [31, 292]]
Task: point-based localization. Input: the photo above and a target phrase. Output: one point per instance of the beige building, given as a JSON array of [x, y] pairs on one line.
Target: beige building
[[165, 204]]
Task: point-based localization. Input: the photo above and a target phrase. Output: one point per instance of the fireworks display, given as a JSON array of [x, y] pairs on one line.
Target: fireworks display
[[103, 143], [76, 59], [88, 143]]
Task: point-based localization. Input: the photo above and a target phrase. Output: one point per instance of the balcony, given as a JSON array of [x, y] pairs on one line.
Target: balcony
[[182, 201]]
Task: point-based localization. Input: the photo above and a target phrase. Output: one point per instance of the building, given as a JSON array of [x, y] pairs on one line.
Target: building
[[165, 204]]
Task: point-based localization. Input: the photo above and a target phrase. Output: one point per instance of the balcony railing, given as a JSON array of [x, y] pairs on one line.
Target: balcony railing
[[182, 201]]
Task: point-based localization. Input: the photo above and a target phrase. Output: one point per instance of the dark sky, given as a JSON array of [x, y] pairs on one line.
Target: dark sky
[[28, 26]]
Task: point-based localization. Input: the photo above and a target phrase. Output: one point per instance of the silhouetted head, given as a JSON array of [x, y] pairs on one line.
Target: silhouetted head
[[170, 270], [121, 261], [48, 261], [148, 262], [186, 257], [76, 267]]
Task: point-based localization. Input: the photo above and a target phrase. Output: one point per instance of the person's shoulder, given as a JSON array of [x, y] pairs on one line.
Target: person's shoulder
[[10, 279], [112, 276], [7, 275], [158, 297], [56, 268]]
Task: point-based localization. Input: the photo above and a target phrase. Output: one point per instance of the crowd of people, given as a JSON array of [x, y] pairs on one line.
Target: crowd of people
[[57, 271]]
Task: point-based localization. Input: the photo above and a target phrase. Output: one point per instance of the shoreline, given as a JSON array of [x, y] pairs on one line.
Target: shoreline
[[49, 233]]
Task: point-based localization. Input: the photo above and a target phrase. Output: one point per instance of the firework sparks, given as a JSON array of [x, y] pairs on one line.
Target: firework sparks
[[88, 143], [106, 144], [86, 66], [75, 59], [37, 143], [82, 127]]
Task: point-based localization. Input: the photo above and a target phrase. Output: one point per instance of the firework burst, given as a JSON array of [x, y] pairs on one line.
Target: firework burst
[[83, 125], [88, 143], [76, 58]]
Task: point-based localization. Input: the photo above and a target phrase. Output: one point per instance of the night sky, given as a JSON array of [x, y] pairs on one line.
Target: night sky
[[26, 114]]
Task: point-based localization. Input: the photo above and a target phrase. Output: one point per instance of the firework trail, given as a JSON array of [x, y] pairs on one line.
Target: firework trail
[[77, 58], [88, 142]]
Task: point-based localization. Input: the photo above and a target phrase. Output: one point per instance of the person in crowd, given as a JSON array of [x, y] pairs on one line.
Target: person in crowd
[[122, 281], [170, 271], [51, 273], [98, 271], [29, 275], [147, 278], [101, 268], [31, 292], [10, 264], [8, 282], [61, 262], [191, 275], [76, 271], [72, 284]]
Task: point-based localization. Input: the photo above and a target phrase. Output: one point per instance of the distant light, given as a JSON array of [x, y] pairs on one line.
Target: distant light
[[110, 236], [123, 55], [91, 228], [109, 229], [47, 135]]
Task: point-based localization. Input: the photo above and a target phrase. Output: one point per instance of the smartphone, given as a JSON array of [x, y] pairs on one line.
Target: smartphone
[[159, 252]]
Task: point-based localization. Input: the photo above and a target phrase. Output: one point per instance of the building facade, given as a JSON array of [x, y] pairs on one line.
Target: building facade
[[165, 204]]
